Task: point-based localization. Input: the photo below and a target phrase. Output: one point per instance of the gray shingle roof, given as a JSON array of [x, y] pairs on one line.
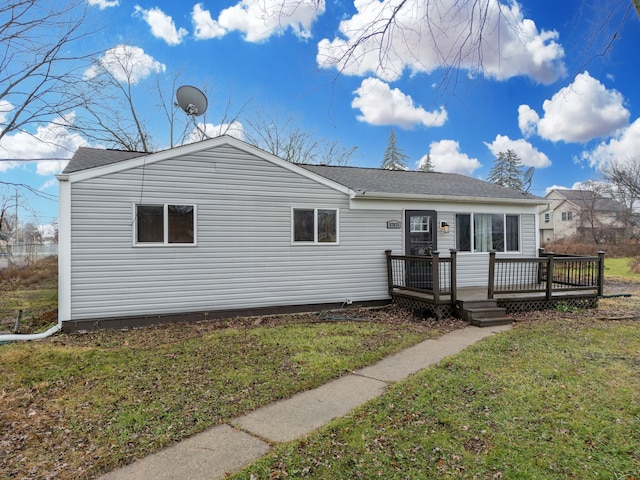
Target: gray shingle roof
[[368, 180], [86, 158], [415, 183], [588, 199]]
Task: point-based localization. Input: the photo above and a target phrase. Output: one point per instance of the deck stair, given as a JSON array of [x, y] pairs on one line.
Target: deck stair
[[483, 313]]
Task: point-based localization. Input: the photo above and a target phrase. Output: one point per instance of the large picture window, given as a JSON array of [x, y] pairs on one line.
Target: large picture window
[[165, 224], [485, 232], [315, 225]]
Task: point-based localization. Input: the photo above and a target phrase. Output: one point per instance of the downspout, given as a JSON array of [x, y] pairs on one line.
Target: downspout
[[13, 337]]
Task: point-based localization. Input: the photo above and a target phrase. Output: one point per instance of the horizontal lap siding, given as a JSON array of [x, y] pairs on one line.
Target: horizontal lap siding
[[243, 258]]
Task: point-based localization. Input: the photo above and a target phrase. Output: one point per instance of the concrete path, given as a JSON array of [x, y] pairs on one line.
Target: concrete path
[[228, 448]]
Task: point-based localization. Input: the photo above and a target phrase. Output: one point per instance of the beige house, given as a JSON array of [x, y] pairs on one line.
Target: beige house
[[581, 213]]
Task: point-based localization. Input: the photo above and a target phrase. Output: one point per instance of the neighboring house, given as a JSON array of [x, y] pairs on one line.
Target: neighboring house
[[220, 227], [581, 213]]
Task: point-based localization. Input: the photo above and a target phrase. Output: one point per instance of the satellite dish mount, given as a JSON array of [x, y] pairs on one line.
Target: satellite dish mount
[[191, 100], [194, 103], [528, 176]]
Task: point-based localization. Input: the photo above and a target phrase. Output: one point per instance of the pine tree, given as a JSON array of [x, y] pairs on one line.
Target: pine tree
[[507, 171], [394, 159], [427, 164]]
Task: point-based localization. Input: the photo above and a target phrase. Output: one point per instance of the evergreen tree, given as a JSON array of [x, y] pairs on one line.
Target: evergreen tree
[[507, 171], [427, 164], [394, 159]]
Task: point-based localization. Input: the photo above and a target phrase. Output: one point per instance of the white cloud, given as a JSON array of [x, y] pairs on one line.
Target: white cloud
[[162, 25], [260, 19], [528, 120], [381, 105], [234, 129], [528, 154], [205, 27], [579, 112], [127, 63], [625, 147], [51, 141], [424, 36], [447, 158], [102, 4]]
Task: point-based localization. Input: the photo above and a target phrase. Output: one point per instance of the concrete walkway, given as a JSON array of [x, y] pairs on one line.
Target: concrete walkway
[[229, 448]]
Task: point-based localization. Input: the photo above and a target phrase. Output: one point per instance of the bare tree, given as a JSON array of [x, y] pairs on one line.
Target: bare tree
[[36, 68], [623, 184], [601, 218], [109, 111], [289, 141]]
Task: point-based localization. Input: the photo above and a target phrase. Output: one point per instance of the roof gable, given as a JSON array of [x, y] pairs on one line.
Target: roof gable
[[588, 199], [354, 181]]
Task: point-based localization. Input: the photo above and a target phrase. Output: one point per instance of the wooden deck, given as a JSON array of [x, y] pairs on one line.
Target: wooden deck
[[513, 285]]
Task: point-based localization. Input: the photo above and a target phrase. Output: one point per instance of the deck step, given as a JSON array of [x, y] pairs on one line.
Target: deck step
[[491, 322], [484, 313]]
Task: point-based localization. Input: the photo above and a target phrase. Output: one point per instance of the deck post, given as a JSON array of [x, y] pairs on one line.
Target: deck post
[[389, 272], [492, 274], [454, 274], [549, 292], [600, 273], [435, 266]]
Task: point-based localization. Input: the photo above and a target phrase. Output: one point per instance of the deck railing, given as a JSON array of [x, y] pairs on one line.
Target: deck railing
[[431, 275], [549, 273]]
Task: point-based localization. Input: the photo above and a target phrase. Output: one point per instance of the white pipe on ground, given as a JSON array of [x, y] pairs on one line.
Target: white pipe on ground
[[31, 336]]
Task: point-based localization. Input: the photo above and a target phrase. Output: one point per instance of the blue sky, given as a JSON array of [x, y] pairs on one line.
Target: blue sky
[[549, 85]]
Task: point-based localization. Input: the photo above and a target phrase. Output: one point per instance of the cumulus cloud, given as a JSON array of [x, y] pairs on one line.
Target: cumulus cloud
[[578, 113], [102, 4], [528, 154], [624, 147], [446, 157], [381, 105], [49, 142], [424, 36], [126, 63], [258, 20], [234, 129], [205, 27], [162, 25]]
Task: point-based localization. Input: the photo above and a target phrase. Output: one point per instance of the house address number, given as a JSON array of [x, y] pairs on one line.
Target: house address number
[[394, 224]]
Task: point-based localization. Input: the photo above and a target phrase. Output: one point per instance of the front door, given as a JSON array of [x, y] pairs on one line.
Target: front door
[[420, 240], [420, 232]]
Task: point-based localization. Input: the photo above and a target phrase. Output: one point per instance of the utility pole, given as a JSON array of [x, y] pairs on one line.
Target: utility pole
[[17, 223]]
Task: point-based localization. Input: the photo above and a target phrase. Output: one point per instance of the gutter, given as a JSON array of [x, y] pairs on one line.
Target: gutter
[[448, 198]]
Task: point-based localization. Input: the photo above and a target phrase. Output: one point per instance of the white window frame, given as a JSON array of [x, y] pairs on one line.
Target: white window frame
[[547, 218], [567, 216], [315, 226], [165, 225], [504, 233]]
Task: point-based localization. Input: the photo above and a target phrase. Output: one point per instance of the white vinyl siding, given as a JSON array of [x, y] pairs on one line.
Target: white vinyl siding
[[244, 257]]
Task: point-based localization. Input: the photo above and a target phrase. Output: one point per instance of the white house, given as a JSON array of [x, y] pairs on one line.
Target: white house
[[581, 213], [220, 227]]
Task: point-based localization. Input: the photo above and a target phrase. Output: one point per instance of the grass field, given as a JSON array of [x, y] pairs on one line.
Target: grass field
[[558, 396]]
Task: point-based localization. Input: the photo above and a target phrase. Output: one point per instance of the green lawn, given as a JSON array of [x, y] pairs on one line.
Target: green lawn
[[76, 406], [556, 399], [620, 269]]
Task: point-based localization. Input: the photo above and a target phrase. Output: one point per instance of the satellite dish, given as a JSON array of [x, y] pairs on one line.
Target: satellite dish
[[528, 175], [191, 100]]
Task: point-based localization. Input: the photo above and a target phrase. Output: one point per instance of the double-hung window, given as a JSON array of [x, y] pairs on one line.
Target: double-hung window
[[484, 232], [165, 224], [315, 225], [567, 216]]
